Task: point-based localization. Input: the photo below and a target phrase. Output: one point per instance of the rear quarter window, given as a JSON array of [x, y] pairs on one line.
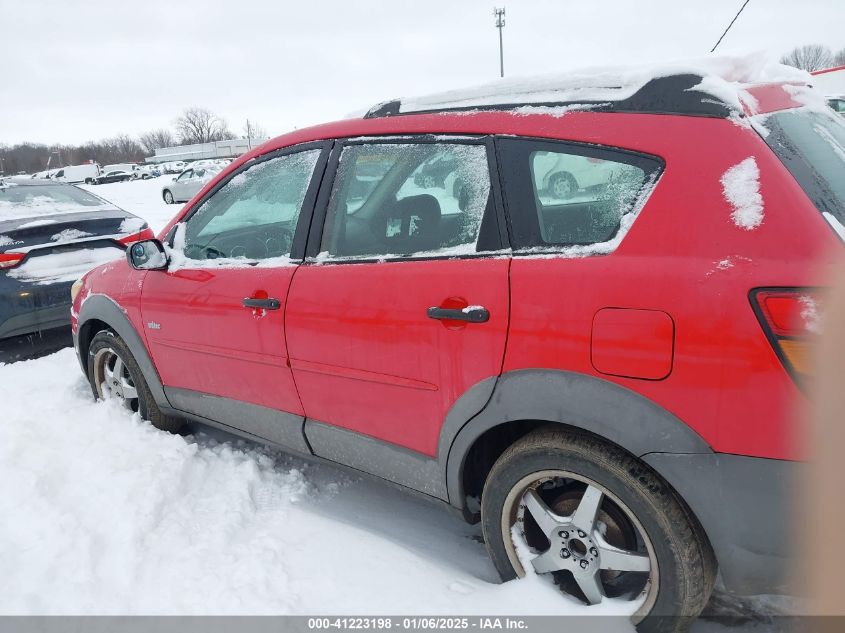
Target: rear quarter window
[[568, 197]]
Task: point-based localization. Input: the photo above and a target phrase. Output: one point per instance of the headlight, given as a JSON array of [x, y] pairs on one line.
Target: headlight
[[75, 288]]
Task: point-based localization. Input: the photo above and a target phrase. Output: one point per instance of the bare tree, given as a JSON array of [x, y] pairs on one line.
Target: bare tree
[[154, 139], [254, 131], [809, 57], [839, 58], [198, 125]]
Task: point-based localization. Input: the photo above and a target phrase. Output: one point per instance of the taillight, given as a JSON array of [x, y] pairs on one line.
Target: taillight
[[791, 318], [10, 260], [146, 234]]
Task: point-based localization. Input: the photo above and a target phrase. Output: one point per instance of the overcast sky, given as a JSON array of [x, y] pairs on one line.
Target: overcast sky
[[73, 71]]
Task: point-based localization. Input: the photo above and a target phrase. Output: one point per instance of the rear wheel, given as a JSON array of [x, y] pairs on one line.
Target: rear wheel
[[114, 374], [599, 524], [168, 196]]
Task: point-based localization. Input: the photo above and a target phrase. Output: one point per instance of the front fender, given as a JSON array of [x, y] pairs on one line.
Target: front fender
[[102, 308]]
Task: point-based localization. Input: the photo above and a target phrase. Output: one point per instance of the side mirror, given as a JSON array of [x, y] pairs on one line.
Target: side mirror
[[147, 255]]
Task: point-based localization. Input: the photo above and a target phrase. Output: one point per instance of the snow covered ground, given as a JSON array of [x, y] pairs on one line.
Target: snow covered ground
[[103, 514], [141, 197]]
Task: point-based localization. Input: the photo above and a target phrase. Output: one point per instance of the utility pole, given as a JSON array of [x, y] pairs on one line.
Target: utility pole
[[500, 24]]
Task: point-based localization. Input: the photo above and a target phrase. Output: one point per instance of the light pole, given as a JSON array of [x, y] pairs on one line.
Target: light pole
[[500, 24]]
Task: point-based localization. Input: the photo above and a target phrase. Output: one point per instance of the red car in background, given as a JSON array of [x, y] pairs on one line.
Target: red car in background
[[603, 376]]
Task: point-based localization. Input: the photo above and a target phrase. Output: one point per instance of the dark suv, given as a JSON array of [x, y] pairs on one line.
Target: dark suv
[[602, 376]]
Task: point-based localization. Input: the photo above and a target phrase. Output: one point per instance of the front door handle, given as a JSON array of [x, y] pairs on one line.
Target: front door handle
[[262, 304], [473, 314]]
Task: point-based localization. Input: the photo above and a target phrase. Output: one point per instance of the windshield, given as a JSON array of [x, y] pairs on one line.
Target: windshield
[[811, 143]]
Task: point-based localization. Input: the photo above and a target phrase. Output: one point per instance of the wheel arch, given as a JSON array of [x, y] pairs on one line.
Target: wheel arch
[[100, 312], [526, 399]]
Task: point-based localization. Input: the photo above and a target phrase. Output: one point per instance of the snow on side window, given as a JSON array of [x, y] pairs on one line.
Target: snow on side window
[[741, 188], [251, 218], [404, 199]]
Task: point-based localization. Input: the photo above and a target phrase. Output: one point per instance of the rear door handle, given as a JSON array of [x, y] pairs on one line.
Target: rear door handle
[[262, 304], [473, 314]]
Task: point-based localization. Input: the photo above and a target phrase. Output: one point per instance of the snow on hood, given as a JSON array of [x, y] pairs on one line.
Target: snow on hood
[[724, 78]]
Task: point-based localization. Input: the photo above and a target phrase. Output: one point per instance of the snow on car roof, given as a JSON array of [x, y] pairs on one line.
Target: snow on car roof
[[722, 79]]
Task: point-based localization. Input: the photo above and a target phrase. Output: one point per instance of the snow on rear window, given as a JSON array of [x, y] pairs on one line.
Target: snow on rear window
[[36, 201], [741, 187]]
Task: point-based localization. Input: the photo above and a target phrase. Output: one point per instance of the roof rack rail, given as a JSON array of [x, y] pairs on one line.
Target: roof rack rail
[[672, 94]]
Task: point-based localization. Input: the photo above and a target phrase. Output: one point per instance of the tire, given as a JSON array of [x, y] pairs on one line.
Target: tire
[[168, 196], [109, 359], [637, 512], [562, 185]]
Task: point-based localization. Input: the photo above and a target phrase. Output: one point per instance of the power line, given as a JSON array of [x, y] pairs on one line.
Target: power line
[[730, 25], [500, 24]]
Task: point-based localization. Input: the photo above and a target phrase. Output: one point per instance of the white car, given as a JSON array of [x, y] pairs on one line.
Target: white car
[[78, 173], [564, 176], [174, 167], [145, 172], [187, 184]]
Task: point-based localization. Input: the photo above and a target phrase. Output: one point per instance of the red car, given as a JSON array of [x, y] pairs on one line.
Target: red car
[[604, 379]]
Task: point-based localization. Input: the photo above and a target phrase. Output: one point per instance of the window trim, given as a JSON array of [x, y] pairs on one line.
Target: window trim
[[652, 165], [297, 250], [497, 246]]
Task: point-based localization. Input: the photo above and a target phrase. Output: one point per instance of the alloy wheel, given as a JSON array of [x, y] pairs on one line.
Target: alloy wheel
[[583, 536], [113, 380]]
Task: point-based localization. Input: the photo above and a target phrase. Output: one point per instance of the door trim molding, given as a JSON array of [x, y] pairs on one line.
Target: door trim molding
[[278, 427], [388, 461]]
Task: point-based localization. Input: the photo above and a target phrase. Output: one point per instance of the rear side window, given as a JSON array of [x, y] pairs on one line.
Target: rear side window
[[402, 199], [563, 195]]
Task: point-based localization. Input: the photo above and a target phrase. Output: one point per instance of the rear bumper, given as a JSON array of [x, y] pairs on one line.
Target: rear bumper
[[28, 308], [745, 506]]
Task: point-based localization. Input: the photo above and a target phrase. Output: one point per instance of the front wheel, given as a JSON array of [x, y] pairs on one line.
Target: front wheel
[[599, 524], [114, 374], [168, 197]]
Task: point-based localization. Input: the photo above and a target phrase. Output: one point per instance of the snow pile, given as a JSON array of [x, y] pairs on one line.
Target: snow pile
[[131, 225], [68, 235], [724, 79], [103, 514], [741, 187]]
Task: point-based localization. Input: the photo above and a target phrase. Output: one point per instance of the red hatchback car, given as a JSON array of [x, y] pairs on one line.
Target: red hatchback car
[[582, 323]]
